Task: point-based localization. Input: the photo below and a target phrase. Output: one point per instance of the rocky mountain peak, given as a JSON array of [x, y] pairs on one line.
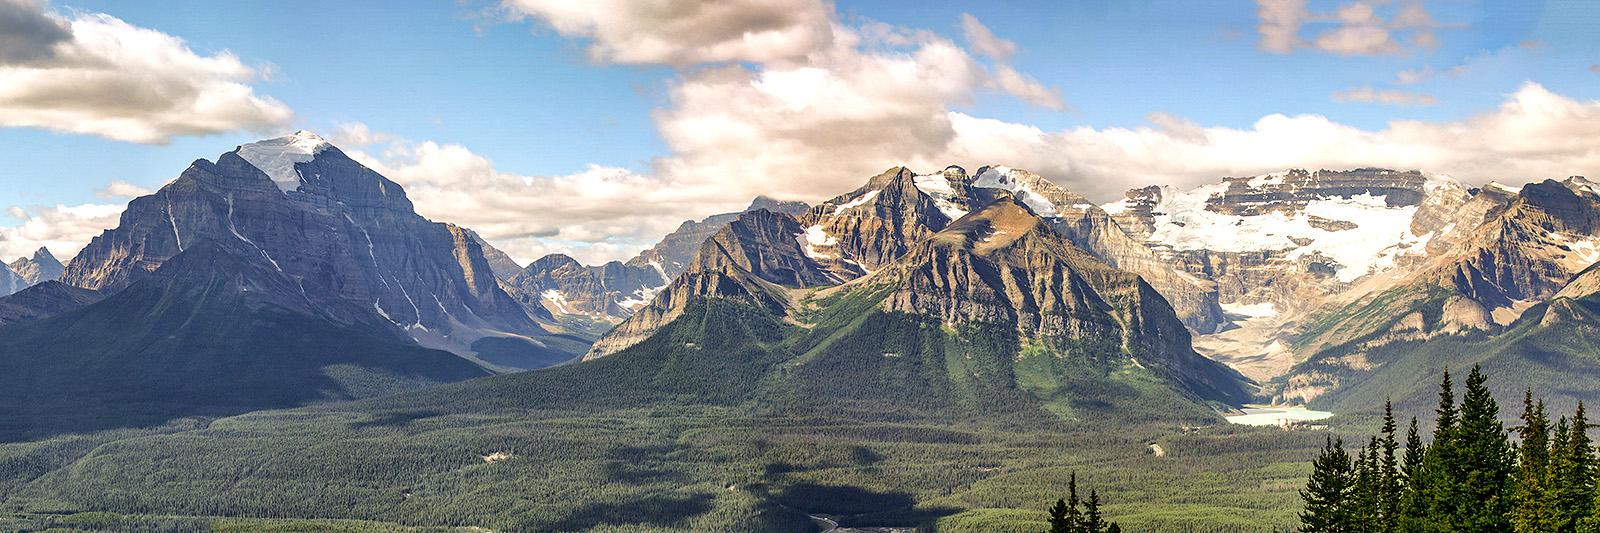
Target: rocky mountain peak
[[999, 225], [278, 157], [554, 262], [39, 268], [339, 229], [778, 206]]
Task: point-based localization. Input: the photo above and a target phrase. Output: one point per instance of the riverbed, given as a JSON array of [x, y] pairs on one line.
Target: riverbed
[[1272, 416]]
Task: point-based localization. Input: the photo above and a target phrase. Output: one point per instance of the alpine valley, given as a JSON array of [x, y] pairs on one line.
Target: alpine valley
[[276, 339]]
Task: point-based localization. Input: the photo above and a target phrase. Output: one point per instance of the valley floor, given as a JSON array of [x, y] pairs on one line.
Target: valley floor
[[694, 469]]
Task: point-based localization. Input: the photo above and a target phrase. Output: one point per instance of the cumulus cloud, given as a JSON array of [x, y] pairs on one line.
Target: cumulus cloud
[[1362, 27], [64, 229], [95, 74], [27, 34], [1390, 97], [687, 32], [608, 213], [809, 122], [599, 214], [1532, 135]]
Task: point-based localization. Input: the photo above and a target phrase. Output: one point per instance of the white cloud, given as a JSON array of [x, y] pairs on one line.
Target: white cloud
[[1361, 27], [687, 32], [810, 123], [1280, 24], [1027, 89], [1390, 97], [600, 214], [97, 75], [1533, 134], [121, 189], [64, 229], [983, 41]]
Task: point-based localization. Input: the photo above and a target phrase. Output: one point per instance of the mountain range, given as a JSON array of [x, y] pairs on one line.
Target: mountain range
[[955, 309]]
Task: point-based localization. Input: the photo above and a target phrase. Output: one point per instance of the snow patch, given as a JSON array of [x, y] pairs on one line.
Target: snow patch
[[558, 299], [857, 202], [1260, 310], [813, 237], [247, 241], [1275, 178], [174, 220], [1118, 207], [1507, 188], [1584, 247], [1382, 233], [1011, 180], [277, 157], [937, 186]]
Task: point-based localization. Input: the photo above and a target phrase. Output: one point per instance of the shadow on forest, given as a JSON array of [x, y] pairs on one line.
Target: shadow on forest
[[656, 511], [394, 419]]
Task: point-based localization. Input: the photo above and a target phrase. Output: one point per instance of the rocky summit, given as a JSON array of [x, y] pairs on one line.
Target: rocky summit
[[331, 225], [38, 268]]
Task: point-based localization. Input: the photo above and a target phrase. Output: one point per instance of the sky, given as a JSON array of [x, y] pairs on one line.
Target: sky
[[593, 128]]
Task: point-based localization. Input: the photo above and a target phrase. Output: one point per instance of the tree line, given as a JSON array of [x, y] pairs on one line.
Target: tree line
[[1470, 476]]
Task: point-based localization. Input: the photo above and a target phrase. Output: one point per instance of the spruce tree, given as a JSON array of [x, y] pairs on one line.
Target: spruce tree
[[1533, 508], [1413, 508], [1481, 499], [1389, 488], [1572, 474], [1092, 522], [1328, 491], [1059, 523], [1431, 489], [1365, 497]]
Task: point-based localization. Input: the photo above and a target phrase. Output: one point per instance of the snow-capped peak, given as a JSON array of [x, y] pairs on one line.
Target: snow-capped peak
[[277, 157], [1000, 177]]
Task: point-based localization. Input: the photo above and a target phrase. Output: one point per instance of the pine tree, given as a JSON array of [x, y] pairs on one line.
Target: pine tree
[[1327, 492], [1533, 509]]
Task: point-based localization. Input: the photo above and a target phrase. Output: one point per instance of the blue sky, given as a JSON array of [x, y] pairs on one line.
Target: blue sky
[[552, 128]]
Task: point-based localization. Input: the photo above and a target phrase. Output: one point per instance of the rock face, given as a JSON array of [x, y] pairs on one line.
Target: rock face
[[1093, 229], [39, 268], [330, 225], [503, 265], [1003, 264]]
